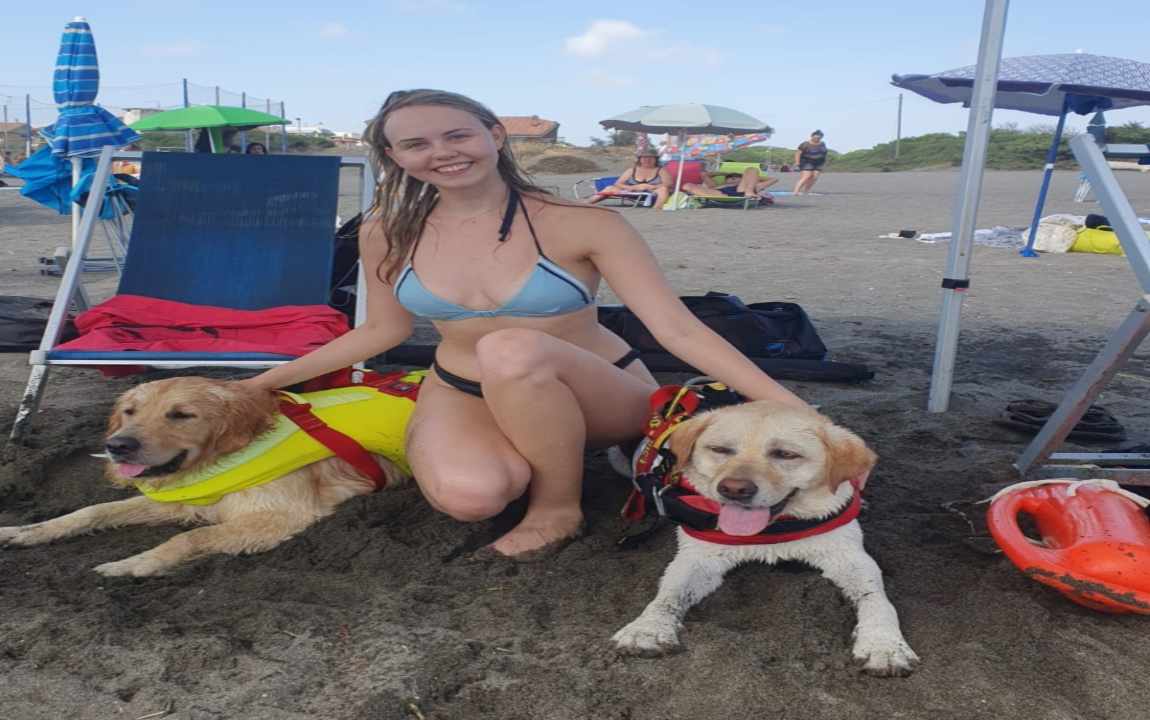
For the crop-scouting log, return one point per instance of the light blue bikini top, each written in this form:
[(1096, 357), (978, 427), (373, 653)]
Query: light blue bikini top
[(549, 290)]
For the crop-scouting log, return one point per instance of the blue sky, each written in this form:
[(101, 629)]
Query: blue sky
[(797, 66)]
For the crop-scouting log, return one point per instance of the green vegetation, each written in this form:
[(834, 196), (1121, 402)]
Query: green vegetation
[(1010, 149), (771, 154)]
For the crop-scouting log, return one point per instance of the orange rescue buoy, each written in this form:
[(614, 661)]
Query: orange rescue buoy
[(1095, 545)]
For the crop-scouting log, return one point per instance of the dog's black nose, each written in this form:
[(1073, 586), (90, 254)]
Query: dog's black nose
[(121, 445), (737, 488)]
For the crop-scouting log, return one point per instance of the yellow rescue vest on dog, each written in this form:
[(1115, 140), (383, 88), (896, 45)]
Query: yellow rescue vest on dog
[(374, 418)]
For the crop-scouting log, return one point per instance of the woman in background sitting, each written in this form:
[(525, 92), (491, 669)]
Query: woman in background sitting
[(646, 175)]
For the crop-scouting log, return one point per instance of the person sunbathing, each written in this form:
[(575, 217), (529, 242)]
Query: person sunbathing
[(646, 175), (746, 184)]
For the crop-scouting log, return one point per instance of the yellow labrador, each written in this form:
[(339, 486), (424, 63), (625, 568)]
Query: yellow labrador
[(749, 459), (160, 431)]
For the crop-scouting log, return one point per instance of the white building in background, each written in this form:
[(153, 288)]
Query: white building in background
[(346, 139), (317, 129), (131, 115)]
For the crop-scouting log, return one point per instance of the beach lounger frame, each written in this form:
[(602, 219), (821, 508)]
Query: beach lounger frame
[(1039, 459), (637, 199), (43, 359)]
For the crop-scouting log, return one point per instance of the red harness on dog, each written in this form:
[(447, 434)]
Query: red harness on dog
[(660, 492), (343, 446)]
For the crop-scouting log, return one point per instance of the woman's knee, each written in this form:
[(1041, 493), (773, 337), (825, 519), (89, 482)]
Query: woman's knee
[(513, 353), (473, 494)]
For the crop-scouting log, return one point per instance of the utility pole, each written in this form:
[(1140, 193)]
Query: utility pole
[(188, 144), (28, 125), (244, 133), (4, 137), (283, 128), (898, 128)]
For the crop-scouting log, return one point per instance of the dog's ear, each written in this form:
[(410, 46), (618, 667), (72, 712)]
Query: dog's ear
[(246, 415), (682, 440), (848, 457)]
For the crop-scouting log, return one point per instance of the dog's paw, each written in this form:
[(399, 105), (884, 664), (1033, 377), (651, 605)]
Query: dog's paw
[(648, 637), (138, 566), (885, 656), (22, 535)]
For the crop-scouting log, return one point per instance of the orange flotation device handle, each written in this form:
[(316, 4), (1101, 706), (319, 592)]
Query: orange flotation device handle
[(1095, 541)]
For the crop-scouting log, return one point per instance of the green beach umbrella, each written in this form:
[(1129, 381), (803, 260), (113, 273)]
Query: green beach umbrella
[(212, 118), (207, 116)]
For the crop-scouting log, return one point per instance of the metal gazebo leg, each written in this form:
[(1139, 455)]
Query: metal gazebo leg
[(29, 403), (1122, 343)]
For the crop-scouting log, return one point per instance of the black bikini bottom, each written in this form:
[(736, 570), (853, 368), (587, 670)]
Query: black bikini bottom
[(474, 388)]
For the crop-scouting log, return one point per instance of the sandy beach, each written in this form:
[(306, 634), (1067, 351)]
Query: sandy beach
[(372, 615)]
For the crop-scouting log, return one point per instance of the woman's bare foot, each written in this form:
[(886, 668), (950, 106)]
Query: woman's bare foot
[(541, 533)]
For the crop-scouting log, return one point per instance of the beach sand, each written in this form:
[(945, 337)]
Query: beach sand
[(373, 615)]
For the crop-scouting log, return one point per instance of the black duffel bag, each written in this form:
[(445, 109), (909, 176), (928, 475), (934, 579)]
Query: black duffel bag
[(762, 330)]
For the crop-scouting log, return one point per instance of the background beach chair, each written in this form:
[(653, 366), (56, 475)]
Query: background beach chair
[(693, 171), (231, 231), (628, 199)]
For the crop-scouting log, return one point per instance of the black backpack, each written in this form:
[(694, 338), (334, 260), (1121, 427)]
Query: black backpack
[(344, 267)]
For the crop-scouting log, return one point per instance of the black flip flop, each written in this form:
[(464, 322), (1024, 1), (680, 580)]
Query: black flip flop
[(1030, 415)]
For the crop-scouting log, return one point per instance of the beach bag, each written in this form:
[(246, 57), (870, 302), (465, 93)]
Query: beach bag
[(679, 201), (1054, 237), (1101, 240), (22, 323), (763, 330), (345, 267)]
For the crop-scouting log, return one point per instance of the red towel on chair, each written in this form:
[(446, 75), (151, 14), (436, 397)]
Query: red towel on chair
[(134, 322)]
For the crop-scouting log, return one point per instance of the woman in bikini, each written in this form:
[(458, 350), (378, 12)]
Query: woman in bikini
[(646, 175), (525, 379)]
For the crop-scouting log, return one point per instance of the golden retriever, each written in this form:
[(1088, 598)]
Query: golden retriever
[(160, 431), (749, 459)]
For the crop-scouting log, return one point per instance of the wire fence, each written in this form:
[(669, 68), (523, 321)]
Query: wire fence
[(28, 108)]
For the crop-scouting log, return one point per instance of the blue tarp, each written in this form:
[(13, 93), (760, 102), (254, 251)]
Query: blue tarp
[(48, 181)]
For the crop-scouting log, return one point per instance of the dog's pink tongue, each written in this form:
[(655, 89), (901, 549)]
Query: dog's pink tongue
[(130, 469), (739, 520)]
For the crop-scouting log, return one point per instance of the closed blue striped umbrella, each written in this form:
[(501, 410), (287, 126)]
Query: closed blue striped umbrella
[(82, 128)]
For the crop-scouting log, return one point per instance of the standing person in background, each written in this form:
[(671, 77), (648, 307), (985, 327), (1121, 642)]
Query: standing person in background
[(810, 158)]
